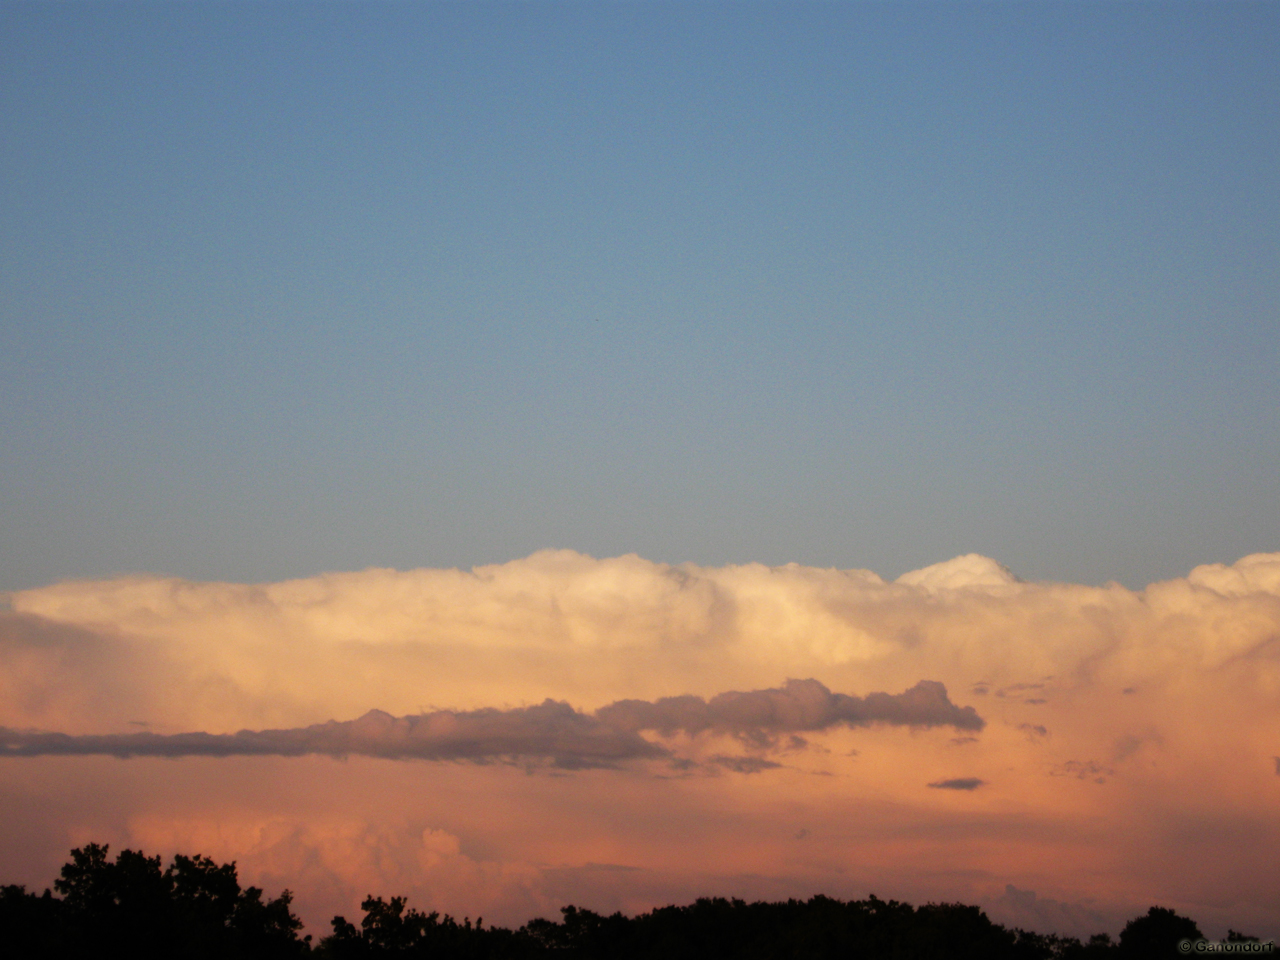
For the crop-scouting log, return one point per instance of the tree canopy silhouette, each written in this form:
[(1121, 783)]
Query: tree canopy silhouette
[(131, 907), (1156, 935), (195, 909)]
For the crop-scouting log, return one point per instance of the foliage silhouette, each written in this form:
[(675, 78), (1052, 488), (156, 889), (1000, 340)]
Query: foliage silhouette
[(1156, 935), (1235, 936), (388, 931), (195, 909), (820, 927)]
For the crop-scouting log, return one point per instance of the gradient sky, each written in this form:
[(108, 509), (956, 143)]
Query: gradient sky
[(295, 288)]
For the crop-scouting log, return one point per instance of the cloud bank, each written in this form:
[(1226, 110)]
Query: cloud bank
[(1120, 744), (550, 730)]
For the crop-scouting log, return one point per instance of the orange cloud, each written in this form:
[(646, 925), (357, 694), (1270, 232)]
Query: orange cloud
[(1127, 756)]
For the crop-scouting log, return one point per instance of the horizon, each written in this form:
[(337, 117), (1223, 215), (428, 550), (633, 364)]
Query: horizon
[(99, 856)]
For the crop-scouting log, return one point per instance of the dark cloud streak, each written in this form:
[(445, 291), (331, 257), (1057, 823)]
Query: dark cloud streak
[(551, 730), (959, 783), (798, 706)]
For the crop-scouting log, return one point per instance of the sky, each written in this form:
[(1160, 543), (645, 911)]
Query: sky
[(299, 288), (895, 379)]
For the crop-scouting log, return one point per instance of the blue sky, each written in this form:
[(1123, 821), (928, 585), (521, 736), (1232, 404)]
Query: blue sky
[(292, 288)]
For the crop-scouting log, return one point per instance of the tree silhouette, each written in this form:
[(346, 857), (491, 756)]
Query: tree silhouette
[(387, 930), (195, 909), (30, 925), (1156, 935), (1235, 936), (130, 907)]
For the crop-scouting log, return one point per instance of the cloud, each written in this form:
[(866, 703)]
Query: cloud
[(959, 783), (970, 572), (86, 655), (336, 861), (1023, 908), (745, 764), (551, 730), (1084, 770), (617, 669), (800, 705), (1030, 693)]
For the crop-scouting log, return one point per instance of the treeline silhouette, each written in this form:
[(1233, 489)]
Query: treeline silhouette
[(196, 909)]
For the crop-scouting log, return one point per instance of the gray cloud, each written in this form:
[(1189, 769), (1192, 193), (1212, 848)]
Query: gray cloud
[(799, 705), (959, 783), (1083, 770), (1023, 908), (551, 730), (1023, 692), (744, 764)]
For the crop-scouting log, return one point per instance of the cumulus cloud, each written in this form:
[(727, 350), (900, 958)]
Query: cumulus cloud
[(972, 571), (550, 730), (1023, 908), (335, 862), (1166, 695), (223, 657), (800, 705)]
